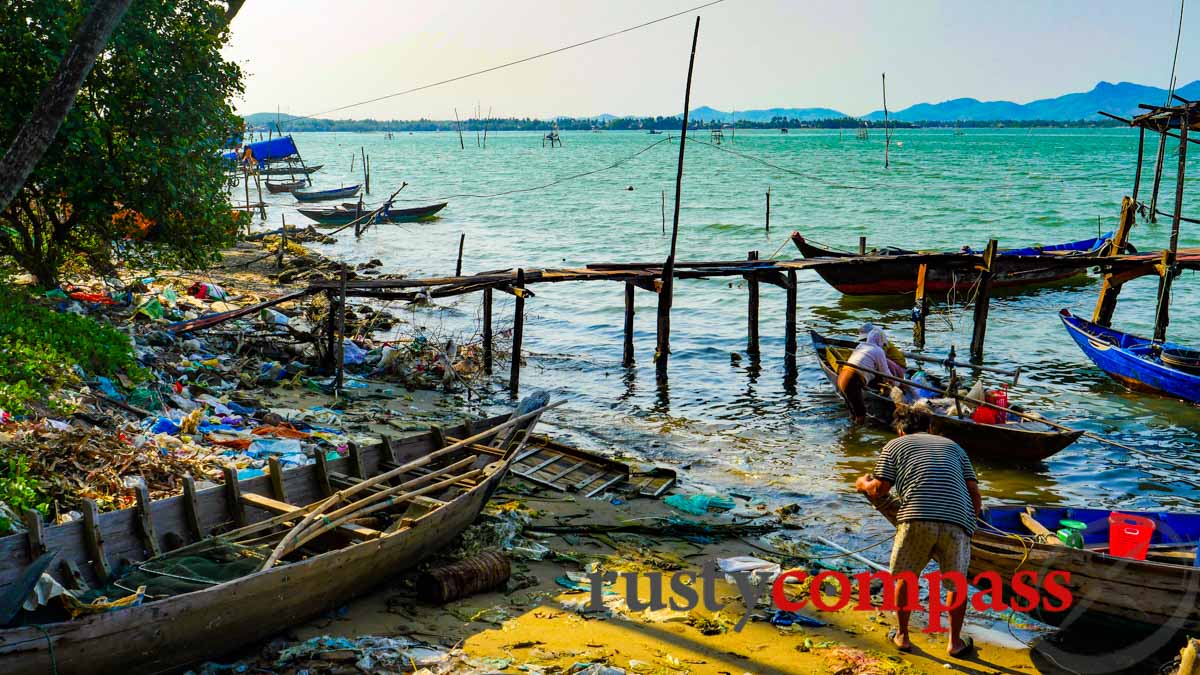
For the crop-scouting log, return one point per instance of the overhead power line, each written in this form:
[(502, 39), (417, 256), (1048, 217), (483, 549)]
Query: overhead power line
[(512, 63)]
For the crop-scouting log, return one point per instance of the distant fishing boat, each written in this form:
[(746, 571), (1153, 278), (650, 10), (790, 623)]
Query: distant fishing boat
[(1014, 441), (1014, 268), (277, 170), (654, 132), (325, 195), (349, 212)]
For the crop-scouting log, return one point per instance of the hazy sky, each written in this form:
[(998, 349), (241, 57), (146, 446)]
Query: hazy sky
[(308, 56)]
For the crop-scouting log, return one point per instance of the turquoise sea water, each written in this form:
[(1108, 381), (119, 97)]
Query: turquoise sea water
[(725, 420)]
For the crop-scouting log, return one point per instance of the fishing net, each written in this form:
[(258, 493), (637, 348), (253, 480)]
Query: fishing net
[(193, 568)]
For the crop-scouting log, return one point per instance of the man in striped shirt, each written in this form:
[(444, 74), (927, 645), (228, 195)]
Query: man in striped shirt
[(940, 501)]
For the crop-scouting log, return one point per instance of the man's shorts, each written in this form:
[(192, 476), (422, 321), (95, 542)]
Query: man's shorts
[(919, 541)]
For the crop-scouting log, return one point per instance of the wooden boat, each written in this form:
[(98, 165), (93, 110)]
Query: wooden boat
[(1109, 593), (348, 212), (277, 170), (325, 195), (342, 561), (287, 186), (1014, 268), (1015, 441), (1138, 363)]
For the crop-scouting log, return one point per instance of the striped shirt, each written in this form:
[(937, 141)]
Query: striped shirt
[(929, 474)]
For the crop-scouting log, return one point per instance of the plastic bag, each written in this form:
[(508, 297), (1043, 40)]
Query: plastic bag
[(760, 570), (698, 505), (352, 354)]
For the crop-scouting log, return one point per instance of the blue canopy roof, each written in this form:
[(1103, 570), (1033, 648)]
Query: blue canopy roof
[(267, 151)]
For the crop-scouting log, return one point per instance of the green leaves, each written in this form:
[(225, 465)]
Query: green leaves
[(143, 136)]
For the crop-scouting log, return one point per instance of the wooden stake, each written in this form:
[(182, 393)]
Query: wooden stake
[(368, 174), (887, 135), (262, 206), (331, 331), (981, 302), (458, 125), (920, 309), (514, 373), (487, 330), (789, 326), (1109, 290), (664, 212), (363, 150), (663, 350), (282, 242), (627, 352), (462, 238), (752, 309), (768, 210), (862, 245)]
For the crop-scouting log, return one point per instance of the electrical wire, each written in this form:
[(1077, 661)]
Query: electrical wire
[(511, 63)]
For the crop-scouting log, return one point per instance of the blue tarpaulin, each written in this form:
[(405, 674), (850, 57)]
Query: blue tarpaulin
[(266, 151)]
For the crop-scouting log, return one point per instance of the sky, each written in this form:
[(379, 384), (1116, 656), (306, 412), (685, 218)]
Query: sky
[(307, 57)]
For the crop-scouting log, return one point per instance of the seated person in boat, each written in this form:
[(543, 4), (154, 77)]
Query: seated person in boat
[(856, 373), (895, 356), (939, 503)]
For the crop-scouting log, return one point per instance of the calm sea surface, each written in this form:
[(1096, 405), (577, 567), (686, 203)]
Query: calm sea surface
[(724, 420)]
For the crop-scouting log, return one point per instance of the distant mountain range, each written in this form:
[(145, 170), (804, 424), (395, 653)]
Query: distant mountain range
[(1119, 99)]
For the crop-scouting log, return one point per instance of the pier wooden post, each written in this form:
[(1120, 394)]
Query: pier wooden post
[(1162, 317), (363, 150), (789, 339), (627, 352), (982, 299), (752, 309), (282, 242), (662, 349), (331, 331), (514, 376), (462, 239), (862, 245), (341, 336), (487, 330), (1137, 175), (262, 206), (664, 211), (1158, 167), (768, 210), (920, 309), (1107, 302)]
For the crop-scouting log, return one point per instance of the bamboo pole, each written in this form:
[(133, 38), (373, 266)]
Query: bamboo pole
[(982, 302), (514, 373), (887, 136), (1158, 167), (458, 126), (487, 330), (1137, 175), (768, 210), (663, 350), (1162, 316), (664, 212), (752, 302)]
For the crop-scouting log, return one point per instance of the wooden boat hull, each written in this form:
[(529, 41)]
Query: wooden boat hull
[(280, 188), (1024, 442), (1109, 593), (325, 195), (1131, 360), (172, 632), (288, 171), (347, 213), (900, 277), (410, 214)]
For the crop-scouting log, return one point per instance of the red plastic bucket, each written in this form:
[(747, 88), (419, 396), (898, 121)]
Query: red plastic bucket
[(1129, 536)]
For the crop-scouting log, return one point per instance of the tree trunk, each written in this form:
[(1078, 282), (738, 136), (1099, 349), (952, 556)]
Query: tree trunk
[(57, 98)]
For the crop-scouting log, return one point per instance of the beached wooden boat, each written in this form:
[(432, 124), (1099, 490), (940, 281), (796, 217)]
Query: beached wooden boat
[(1015, 441), (1139, 363), (429, 497), (1109, 593), (1014, 268), (347, 212), (286, 186), (325, 195)]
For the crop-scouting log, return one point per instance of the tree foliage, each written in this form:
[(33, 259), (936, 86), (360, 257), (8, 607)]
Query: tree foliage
[(134, 172)]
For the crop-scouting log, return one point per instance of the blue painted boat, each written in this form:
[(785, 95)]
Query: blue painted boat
[(1159, 595), (325, 195), (1137, 362)]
